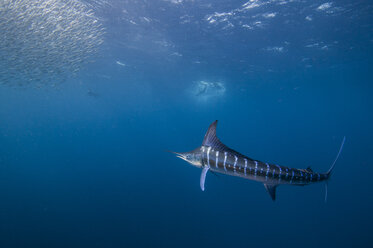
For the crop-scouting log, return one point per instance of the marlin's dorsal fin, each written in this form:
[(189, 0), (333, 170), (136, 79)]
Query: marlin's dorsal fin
[(213, 141), (271, 189), (210, 136), (203, 177), (309, 169)]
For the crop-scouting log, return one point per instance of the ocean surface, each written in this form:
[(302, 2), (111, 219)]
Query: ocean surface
[(93, 94)]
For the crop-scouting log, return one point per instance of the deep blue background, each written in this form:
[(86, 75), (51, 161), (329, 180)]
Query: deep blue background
[(91, 171)]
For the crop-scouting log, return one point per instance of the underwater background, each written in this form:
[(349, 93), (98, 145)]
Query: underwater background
[(93, 94)]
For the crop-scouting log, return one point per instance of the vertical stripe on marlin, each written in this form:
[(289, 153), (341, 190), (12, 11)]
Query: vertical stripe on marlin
[(203, 153), (267, 171), (235, 163), (217, 159), (256, 168), (245, 165), (208, 156), (279, 173), (225, 160)]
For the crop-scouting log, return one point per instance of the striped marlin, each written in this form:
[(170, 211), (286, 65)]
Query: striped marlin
[(214, 156)]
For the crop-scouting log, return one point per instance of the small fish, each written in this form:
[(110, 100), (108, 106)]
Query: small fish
[(214, 156), (120, 63), (92, 93)]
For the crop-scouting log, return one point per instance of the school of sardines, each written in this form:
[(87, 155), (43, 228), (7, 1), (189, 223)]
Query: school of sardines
[(45, 41)]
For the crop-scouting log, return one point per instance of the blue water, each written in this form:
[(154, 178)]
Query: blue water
[(90, 170)]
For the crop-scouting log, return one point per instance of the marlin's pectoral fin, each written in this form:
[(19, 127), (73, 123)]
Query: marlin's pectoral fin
[(203, 178), (271, 189)]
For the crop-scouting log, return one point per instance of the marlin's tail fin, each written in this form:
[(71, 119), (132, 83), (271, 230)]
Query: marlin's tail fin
[(329, 172), (336, 158)]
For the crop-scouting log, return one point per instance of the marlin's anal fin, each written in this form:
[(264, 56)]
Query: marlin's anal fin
[(203, 177), (271, 189)]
